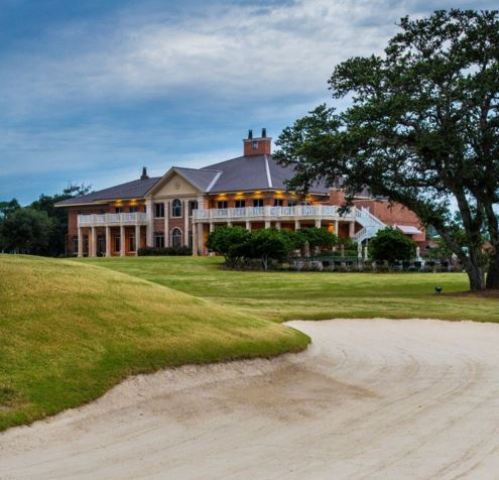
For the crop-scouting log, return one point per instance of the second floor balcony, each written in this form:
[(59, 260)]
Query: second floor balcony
[(112, 219), (299, 212)]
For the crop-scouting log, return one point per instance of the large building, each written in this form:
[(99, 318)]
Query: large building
[(183, 206)]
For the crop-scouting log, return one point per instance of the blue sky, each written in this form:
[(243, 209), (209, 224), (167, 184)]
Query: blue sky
[(92, 90)]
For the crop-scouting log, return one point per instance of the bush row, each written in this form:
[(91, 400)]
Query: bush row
[(166, 251)]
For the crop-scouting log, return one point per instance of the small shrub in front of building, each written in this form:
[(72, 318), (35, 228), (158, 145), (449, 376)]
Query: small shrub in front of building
[(166, 251)]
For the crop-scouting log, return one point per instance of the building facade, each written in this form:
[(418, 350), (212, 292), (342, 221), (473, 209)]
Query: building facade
[(183, 206)]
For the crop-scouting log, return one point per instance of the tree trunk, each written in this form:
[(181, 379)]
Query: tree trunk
[(493, 273), (476, 276)]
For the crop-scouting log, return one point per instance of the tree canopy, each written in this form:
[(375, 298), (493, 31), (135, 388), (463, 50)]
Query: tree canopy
[(422, 130)]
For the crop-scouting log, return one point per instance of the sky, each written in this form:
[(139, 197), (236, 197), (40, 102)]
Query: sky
[(91, 90)]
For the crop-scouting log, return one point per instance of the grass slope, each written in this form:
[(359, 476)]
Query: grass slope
[(291, 295), (69, 331)]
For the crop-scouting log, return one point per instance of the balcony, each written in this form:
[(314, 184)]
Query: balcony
[(301, 212), (112, 219)]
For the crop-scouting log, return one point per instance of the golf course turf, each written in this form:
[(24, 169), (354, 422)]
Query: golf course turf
[(281, 296)]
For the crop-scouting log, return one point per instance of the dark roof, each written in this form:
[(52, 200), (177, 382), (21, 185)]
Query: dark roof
[(259, 172), (134, 189), (254, 173), (200, 178)]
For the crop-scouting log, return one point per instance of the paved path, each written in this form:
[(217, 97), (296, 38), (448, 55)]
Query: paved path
[(371, 399)]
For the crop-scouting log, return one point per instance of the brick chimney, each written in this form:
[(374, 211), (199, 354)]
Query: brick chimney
[(257, 146)]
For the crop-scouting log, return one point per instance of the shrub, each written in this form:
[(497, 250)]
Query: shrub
[(391, 245), (166, 251)]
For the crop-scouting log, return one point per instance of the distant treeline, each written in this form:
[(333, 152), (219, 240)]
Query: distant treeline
[(39, 228)]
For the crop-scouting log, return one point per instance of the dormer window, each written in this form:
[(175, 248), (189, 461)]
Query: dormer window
[(255, 145)]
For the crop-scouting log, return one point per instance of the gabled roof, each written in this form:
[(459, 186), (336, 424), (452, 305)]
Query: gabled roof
[(133, 189), (259, 172)]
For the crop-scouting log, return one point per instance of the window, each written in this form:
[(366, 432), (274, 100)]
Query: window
[(222, 204), (176, 208), (291, 203), (255, 145), (240, 203), (74, 242), (193, 205), (159, 210), (278, 202), (258, 202), (131, 242), (159, 240), (176, 238), (118, 209), (134, 209)]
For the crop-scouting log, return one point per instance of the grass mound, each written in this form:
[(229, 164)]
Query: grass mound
[(69, 331)]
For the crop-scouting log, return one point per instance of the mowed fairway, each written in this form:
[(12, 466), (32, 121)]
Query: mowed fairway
[(69, 331), (282, 296)]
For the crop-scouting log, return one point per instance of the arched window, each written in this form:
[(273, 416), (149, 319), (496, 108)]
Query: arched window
[(176, 208), (176, 238)]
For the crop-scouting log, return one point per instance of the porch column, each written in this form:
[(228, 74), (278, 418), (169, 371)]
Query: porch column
[(318, 223), (108, 241), (351, 229), (337, 228), (150, 223), (212, 227), (122, 241), (80, 242), (229, 223), (248, 225), (200, 239), (278, 225), (297, 224), (167, 227), (267, 224), (137, 240), (186, 223), (93, 242), (194, 240)]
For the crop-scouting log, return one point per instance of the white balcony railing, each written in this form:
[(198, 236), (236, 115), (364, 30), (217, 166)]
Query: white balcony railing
[(283, 213), (112, 219)]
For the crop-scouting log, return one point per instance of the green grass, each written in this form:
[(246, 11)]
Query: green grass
[(282, 296), (70, 330)]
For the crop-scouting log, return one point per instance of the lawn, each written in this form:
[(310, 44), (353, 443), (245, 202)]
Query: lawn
[(70, 330), (282, 296)]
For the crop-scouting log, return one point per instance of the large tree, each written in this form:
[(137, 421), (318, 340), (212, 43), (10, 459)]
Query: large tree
[(422, 130)]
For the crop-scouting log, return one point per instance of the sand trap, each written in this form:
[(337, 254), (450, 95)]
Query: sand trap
[(371, 399)]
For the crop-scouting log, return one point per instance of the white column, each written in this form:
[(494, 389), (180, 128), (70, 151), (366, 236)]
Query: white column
[(167, 227), (248, 225), (108, 241), (93, 242), (297, 225), (150, 223), (351, 229), (267, 223), (318, 223), (212, 227), (229, 223), (186, 223), (80, 242), (200, 239), (194, 240), (337, 228), (278, 225), (137, 239), (122, 241)]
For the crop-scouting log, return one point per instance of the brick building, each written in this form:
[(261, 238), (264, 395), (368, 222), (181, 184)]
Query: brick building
[(185, 204)]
